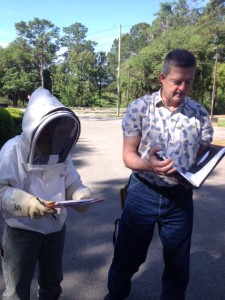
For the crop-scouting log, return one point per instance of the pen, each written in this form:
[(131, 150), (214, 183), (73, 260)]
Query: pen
[(45, 206), (203, 158)]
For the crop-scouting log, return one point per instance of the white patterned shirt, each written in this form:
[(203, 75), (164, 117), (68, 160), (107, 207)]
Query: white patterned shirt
[(180, 133)]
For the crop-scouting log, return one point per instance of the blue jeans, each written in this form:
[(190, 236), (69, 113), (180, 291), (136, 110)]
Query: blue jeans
[(172, 210), (22, 250)]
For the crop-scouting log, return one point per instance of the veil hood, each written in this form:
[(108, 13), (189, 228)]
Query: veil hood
[(50, 128)]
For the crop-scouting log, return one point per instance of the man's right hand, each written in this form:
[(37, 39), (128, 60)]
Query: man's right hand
[(160, 166), (133, 161)]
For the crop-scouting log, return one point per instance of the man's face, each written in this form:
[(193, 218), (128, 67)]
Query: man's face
[(176, 85)]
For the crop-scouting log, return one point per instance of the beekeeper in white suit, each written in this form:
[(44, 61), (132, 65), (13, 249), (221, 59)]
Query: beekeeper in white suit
[(35, 168)]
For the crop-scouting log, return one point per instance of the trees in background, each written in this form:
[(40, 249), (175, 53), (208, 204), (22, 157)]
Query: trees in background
[(69, 66), (26, 60), (42, 39), (78, 61), (178, 25), (16, 71)]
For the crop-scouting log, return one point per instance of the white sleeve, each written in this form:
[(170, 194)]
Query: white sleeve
[(14, 202), (11, 165), (75, 189)]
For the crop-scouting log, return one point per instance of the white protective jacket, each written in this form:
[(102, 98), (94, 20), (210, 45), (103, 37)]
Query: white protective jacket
[(25, 172)]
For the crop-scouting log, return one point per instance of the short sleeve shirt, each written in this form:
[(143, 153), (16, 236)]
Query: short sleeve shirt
[(180, 133)]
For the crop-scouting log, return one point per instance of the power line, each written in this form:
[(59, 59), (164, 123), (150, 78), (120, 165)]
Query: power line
[(107, 36), (114, 27), (102, 31), (92, 33), (104, 37)]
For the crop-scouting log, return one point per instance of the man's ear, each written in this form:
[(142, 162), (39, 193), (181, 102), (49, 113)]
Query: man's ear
[(161, 77)]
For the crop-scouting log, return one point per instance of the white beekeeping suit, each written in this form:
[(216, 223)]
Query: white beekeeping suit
[(37, 164)]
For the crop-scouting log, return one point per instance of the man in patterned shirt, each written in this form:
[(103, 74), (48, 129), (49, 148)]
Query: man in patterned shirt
[(170, 122)]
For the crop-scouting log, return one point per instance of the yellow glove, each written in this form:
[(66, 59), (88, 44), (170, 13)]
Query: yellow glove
[(84, 193), (37, 207)]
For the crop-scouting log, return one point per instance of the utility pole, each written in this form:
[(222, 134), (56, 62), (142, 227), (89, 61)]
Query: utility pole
[(214, 82), (118, 76)]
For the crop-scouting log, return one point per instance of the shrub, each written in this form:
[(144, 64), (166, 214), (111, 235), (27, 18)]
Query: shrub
[(6, 126), (17, 116)]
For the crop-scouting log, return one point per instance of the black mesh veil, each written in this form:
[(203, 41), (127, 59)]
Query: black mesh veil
[(54, 138)]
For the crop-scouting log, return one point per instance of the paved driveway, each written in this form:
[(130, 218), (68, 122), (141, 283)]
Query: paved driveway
[(88, 249)]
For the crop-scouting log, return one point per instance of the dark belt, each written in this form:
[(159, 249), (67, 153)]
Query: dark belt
[(167, 191)]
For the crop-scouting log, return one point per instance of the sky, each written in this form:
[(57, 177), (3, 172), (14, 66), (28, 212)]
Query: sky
[(102, 18)]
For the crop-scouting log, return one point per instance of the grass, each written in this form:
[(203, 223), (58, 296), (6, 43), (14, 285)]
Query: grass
[(221, 122)]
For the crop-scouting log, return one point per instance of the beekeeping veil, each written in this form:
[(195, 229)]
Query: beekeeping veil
[(51, 129)]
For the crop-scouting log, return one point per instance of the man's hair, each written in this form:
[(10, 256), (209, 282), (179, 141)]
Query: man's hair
[(178, 58)]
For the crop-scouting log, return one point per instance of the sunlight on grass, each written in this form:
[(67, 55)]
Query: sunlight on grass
[(221, 122)]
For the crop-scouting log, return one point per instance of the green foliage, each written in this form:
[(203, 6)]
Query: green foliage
[(221, 76), (4, 100), (17, 116), (18, 78), (108, 100), (219, 107), (221, 122), (40, 36), (6, 126), (196, 34), (81, 77)]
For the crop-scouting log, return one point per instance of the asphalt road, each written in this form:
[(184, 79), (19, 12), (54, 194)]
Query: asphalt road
[(89, 249)]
